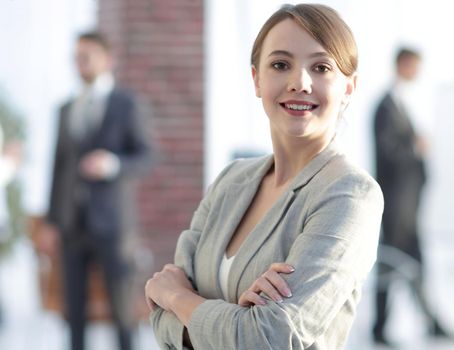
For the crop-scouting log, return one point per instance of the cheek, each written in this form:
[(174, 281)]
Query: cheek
[(335, 95), (271, 88)]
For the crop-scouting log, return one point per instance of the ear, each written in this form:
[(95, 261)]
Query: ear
[(255, 77), (351, 88)]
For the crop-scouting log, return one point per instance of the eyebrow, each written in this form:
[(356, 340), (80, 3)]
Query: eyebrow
[(290, 55)]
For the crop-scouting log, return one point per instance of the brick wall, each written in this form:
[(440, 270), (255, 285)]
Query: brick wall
[(159, 50)]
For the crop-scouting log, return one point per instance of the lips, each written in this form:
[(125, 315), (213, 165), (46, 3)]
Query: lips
[(298, 107)]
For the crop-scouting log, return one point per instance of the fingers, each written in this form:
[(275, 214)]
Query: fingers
[(249, 298), (282, 268), (150, 303), (271, 284), (171, 267), (274, 281), (273, 276), (169, 281)]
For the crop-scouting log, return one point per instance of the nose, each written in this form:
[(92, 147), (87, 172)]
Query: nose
[(300, 81)]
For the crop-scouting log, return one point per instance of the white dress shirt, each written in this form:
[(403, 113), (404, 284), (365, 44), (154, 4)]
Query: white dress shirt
[(87, 113), (88, 109)]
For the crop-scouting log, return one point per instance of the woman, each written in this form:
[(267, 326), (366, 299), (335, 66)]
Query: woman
[(279, 247)]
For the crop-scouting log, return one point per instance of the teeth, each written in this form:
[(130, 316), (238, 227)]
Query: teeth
[(298, 107)]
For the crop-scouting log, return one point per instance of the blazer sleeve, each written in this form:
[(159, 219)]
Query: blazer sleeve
[(332, 256), (167, 327), (137, 154)]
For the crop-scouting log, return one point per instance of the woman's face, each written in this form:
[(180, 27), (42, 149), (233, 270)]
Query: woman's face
[(302, 89)]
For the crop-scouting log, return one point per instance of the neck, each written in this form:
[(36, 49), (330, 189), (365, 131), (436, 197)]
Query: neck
[(291, 157)]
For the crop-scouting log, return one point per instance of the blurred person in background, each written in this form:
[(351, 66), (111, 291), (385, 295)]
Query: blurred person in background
[(100, 142), (400, 152), (10, 158)]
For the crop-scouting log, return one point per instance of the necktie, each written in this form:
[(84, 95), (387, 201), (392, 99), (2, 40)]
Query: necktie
[(82, 116)]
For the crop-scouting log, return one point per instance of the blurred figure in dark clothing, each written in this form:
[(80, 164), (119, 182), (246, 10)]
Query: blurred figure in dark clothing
[(100, 142), (400, 166)]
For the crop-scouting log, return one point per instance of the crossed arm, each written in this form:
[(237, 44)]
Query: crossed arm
[(171, 290), (172, 298), (331, 257)]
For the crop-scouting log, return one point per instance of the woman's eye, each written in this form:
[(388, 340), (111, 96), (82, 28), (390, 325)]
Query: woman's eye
[(322, 68), (280, 65)]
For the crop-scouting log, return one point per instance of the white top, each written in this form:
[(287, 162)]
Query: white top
[(224, 270)]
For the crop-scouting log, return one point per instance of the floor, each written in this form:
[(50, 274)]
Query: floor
[(25, 325)]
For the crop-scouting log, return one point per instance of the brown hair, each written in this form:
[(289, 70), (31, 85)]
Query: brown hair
[(324, 24), (98, 38), (405, 52)]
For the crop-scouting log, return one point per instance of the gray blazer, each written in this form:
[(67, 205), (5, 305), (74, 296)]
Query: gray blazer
[(326, 225)]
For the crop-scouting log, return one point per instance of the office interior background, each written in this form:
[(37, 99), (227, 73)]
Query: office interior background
[(37, 75)]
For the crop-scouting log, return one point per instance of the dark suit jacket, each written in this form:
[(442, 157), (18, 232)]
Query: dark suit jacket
[(101, 201), (396, 159), (400, 172)]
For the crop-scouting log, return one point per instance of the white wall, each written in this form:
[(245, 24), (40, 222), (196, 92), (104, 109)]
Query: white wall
[(234, 116), (36, 76)]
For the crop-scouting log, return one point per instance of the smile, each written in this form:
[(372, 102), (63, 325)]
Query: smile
[(297, 107)]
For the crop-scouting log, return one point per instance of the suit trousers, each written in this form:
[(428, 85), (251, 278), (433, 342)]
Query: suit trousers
[(400, 230), (79, 252)]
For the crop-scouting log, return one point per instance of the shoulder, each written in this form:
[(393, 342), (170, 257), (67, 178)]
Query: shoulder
[(241, 170), (345, 194), (65, 109), (247, 167), (66, 105), (340, 174), (121, 94), (385, 104)]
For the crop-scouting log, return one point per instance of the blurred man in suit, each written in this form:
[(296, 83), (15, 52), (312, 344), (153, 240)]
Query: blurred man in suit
[(100, 141), (400, 165)]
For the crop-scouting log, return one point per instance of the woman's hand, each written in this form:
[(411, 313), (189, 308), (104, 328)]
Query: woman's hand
[(165, 285), (270, 283)]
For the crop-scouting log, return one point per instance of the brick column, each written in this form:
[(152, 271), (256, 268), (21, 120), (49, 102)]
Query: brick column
[(159, 50)]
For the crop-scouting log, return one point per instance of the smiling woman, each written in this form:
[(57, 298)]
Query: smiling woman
[(303, 90), (278, 249)]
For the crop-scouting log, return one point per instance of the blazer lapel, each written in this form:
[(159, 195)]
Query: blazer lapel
[(271, 219), (237, 199), (400, 115), (98, 131)]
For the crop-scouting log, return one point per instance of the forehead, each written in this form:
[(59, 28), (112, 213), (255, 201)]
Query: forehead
[(290, 36), (86, 45), (410, 59)]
